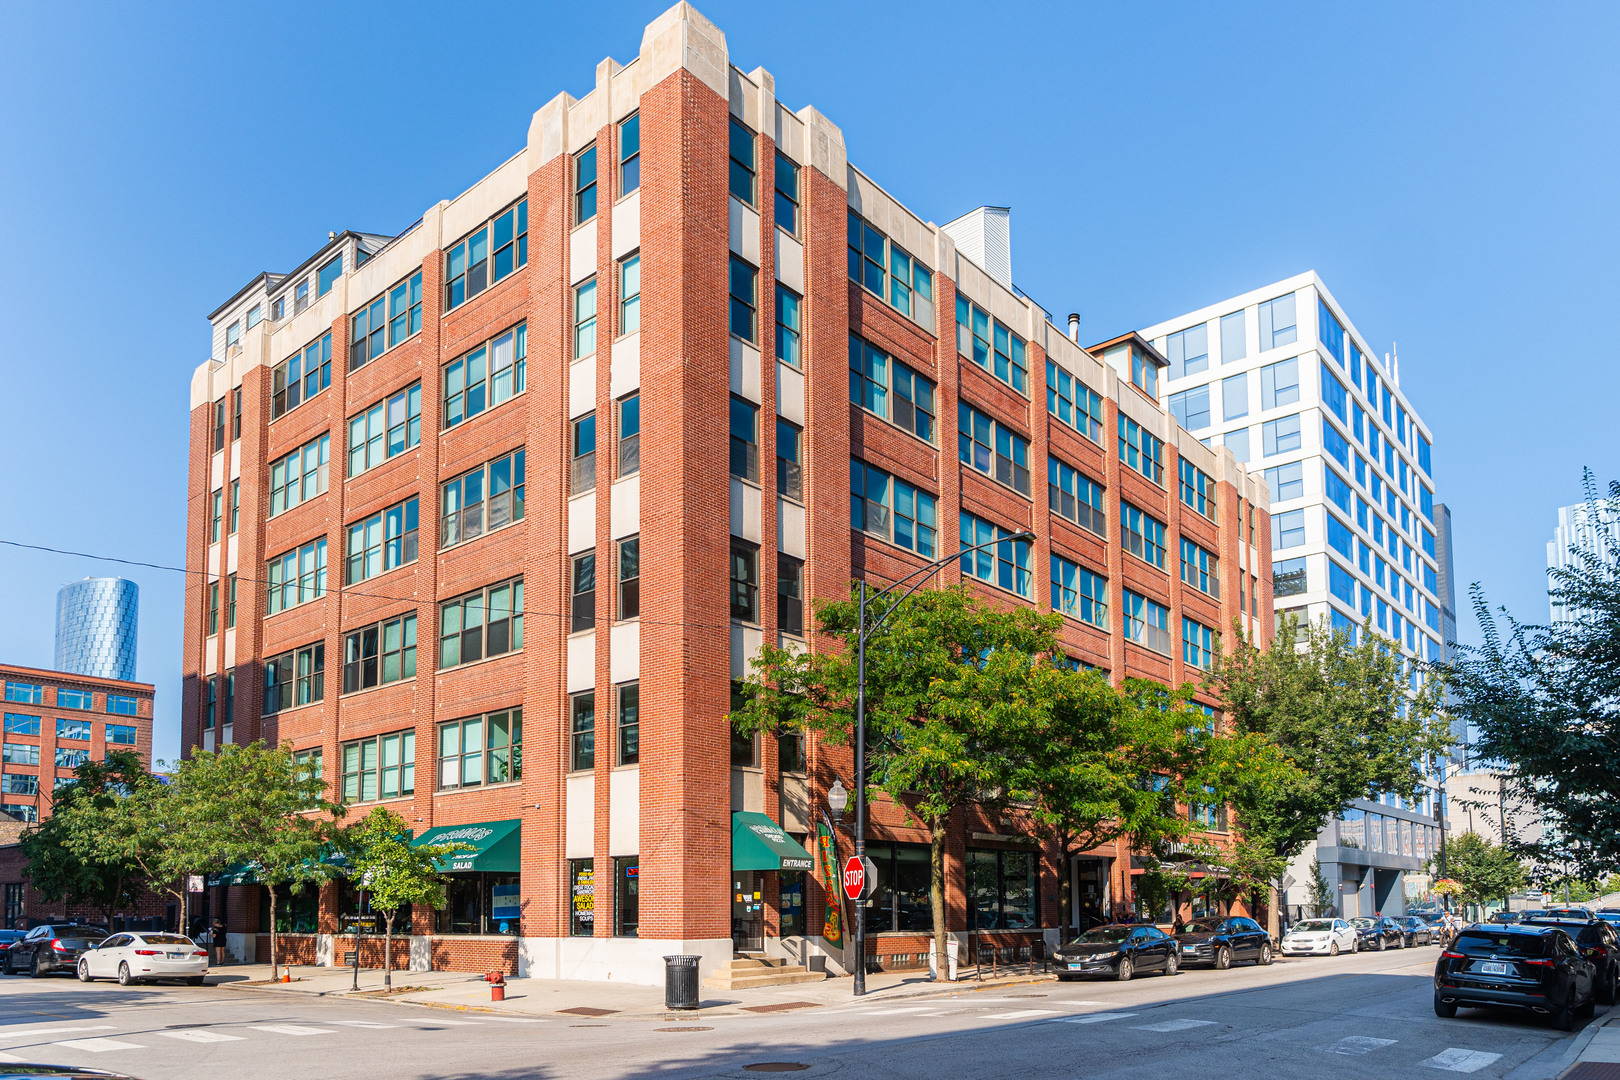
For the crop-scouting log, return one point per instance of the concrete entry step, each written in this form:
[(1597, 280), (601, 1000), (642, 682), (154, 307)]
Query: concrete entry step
[(753, 970)]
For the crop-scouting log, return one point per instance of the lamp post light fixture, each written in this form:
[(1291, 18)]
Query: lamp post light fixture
[(865, 630), (837, 801)]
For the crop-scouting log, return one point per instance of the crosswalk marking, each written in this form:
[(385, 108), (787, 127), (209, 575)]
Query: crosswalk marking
[(1353, 1045), (360, 1023), (57, 1029), (199, 1036), (890, 1012), (516, 1019), (1093, 1018), (98, 1045), (1456, 1059), (290, 1029), (1020, 1014), (1172, 1025), (9, 1058)]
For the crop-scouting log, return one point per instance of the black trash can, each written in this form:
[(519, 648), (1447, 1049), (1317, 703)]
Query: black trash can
[(681, 982)]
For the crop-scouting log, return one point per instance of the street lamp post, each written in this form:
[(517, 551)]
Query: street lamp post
[(863, 631)]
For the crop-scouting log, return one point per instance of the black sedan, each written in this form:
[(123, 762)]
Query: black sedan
[(1379, 932), (1599, 942), (1534, 968), (1417, 931), (1119, 950), (1218, 942), (56, 947)]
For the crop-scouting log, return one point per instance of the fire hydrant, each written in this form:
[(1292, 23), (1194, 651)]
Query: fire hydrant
[(497, 986)]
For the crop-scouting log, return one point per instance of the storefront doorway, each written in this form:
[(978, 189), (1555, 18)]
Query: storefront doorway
[(767, 866), (1090, 892), (747, 911)]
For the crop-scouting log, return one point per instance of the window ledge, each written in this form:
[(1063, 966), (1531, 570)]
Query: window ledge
[(470, 663), (1003, 485), (345, 695), (476, 787), (459, 544), (408, 797), (278, 714), (858, 407), (385, 573), (909, 551)]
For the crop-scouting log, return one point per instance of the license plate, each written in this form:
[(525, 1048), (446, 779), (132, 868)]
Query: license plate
[(1076, 967), (177, 956), (1188, 948), (1493, 969)]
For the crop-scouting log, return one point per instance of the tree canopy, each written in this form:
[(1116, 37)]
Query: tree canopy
[(67, 854), (394, 873), (1483, 871)]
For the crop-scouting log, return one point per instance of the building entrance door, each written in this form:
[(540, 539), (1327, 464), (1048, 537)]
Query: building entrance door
[(747, 911), (1090, 892)]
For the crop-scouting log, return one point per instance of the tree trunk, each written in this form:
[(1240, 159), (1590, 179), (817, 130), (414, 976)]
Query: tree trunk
[(272, 889), (1273, 914), (388, 949), (936, 894)]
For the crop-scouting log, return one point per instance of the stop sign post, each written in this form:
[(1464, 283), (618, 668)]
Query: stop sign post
[(860, 878)]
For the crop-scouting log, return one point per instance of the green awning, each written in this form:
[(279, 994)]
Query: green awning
[(758, 843), (493, 845), (240, 874)]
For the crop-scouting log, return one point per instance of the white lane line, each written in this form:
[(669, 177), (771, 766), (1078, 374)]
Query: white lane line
[(1354, 1045), (1093, 1018), (1172, 1025), (1457, 1059), (290, 1029), (7, 1034), (99, 1046), (199, 1036), (1020, 1014), (9, 1058), (890, 1012), (360, 1023)]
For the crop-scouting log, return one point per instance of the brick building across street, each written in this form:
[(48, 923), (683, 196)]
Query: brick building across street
[(471, 503)]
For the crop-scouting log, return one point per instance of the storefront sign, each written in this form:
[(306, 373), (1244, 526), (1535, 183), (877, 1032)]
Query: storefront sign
[(832, 927), (194, 883), (584, 897), (504, 902)]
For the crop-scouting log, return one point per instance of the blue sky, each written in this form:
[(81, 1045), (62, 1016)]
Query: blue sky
[(1447, 168)]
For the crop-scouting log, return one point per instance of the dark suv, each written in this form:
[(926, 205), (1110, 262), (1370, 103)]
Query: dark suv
[(1536, 968), (1598, 941), (56, 947)]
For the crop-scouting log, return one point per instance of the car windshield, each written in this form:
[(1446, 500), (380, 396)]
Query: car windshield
[(1312, 926), (1364, 924), (80, 931), (1103, 935), (165, 939), (1481, 943), (1204, 926)]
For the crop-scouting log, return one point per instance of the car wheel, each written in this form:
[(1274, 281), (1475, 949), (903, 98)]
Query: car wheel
[(33, 969), (124, 977), (1605, 991), (1355, 944), (1587, 1008), (1333, 948), (1223, 958), (194, 980), (1265, 955), (1171, 962), (1564, 1019), (1382, 944), (1442, 1009), (84, 972), (1123, 972)]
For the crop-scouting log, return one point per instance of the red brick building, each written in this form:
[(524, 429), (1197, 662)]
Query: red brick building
[(425, 469), (53, 722)]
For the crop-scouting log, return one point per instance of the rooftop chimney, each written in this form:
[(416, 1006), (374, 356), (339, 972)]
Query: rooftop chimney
[(985, 236), (1074, 327)]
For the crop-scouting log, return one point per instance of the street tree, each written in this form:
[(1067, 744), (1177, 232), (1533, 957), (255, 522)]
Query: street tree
[(1480, 869), (255, 805), (65, 860), (397, 875), (1545, 703)]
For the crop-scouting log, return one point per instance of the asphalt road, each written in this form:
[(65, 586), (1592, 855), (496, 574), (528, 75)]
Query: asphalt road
[(1363, 1016)]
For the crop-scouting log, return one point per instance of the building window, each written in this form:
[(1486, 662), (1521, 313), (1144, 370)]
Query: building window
[(25, 693), (487, 256), (216, 515), (18, 724), (213, 608), (19, 784), (581, 898), (741, 145), (1191, 408), (327, 276), (297, 577), (629, 435), (630, 724), (1197, 489), (1199, 568), (301, 296), (73, 699), (489, 497), (487, 376), (309, 763), (1079, 593), (488, 622), (301, 376), (219, 425), (367, 333), (744, 439), (1277, 324), (1287, 529), (1001, 889), (20, 754), (1188, 351), (991, 345), (582, 455), (1424, 454), (1233, 345), (70, 759), (405, 309), (1339, 537), (1279, 383), (585, 185), (890, 272), (1280, 436), (1288, 577), (385, 541), (230, 607), (629, 154), (1334, 396), (1338, 493), (380, 654), (891, 509), (744, 582), (1073, 402), (873, 375), (73, 729), (787, 193), (300, 476), (481, 750), (742, 285), (789, 593), (626, 895), (295, 678), (1235, 396), (1145, 373), (1147, 623), (581, 732), (1140, 449), (389, 427), (122, 704), (790, 756), (381, 767), (585, 319), (236, 505), (582, 592), (1286, 481), (630, 294), (789, 461), (1341, 584), (1330, 331), (278, 308), (1005, 565), (787, 326), (236, 412), (990, 448), (1141, 535), (255, 316)]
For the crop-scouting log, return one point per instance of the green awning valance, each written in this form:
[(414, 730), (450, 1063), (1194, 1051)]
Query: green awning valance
[(758, 843), (493, 845)]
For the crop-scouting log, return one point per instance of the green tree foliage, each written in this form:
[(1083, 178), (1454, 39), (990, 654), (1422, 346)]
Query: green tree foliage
[(255, 805), (66, 859), (1482, 870), (138, 821), (1545, 702), (396, 875)]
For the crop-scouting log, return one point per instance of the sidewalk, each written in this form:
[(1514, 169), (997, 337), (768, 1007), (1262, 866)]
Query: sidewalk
[(549, 997), (1599, 1058)]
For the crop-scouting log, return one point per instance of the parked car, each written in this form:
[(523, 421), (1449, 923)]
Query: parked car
[(1416, 931), (137, 957), (1534, 968), (1431, 916), (1507, 917), (1218, 942), (1320, 937), (56, 947), (1599, 942), (1379, 932), (1120, 950), (1608, 914)]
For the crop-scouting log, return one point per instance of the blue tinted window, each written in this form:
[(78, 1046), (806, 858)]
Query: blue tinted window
[(1287, 529), (1329, 330), (1423, 454), (1334, 396), (1277, 323), (1341, 583), (1343, 622), (1288, 577), (1281, 436), (1338, 492), (1191, 408), (1335, 444), (1233, 345), (1279, 383), (1286, 481), (1235, 396), (1188, 351), (1428, 543), (1339, 538), (328, 276)]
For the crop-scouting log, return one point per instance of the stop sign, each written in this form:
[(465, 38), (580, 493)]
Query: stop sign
[(854, 878)]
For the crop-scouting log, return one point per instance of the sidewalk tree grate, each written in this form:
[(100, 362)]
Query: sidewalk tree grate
[(587, 1010), (782, 1006), (776, 1066), (1594, 1070)]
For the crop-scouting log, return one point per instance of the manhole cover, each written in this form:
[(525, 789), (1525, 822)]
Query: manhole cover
[(587, 1010), (776, 1066), (684, 1029)]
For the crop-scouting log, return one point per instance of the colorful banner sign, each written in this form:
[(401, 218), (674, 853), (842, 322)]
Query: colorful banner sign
[(827, 853)]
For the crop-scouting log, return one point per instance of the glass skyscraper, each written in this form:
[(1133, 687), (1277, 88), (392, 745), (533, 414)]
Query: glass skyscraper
[(95, 628)]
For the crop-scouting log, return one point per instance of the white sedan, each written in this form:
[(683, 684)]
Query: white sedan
[(1320, 937), (136, 957)]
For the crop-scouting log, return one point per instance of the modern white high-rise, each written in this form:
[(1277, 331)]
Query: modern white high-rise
[(1577, 529), (1282, 377)]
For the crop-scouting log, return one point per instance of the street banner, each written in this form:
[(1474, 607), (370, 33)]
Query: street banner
[(827, 851)]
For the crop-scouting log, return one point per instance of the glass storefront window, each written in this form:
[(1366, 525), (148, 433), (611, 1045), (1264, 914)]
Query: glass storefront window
[(1406, 837), (901, 901), (1375, 832), (1001, 890), (295, 915), (581, 898), (792, 901), (479, 903), (626, 895), (1352, 828)]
